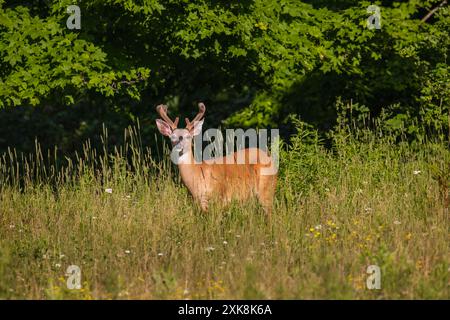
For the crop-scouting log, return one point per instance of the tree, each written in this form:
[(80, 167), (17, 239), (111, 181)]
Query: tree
[(253, 62)]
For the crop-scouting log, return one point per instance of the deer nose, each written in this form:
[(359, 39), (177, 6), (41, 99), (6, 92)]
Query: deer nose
[(180, 138)]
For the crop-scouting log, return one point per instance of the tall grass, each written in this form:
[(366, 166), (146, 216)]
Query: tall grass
[(368, 200)]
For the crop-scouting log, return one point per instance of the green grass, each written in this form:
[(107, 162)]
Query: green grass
[(337, 211)]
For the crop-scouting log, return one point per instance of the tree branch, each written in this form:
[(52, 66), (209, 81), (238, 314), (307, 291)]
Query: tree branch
[(433, 11)]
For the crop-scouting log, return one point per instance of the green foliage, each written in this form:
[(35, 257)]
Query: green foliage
[(254, 62), (40, 60)]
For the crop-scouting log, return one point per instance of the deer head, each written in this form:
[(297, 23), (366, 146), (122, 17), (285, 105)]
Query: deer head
[(181, 138)]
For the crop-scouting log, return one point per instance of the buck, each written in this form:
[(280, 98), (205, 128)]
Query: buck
[(223, 180)]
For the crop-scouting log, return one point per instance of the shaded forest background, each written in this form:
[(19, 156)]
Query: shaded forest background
[(254, 63)]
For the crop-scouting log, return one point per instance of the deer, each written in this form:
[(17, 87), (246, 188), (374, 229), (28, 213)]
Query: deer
[(223, 180)]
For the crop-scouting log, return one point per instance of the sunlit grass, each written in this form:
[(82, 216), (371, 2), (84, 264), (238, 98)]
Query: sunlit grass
[(129, 224)]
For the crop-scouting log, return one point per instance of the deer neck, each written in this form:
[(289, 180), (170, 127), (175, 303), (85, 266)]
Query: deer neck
[(186, 157), (186, 165)]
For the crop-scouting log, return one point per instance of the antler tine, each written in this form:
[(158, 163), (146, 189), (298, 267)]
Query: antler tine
[(200, 114), (162, 111)]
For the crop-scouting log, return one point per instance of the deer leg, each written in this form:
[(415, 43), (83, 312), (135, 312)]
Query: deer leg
[(266, 192), (204, 204)]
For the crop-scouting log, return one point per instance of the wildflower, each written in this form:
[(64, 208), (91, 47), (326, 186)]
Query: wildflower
[(318, 227), (317, 234), (225, 242), (419, 264), (11, 226), (331, 224), (416, 172), (209, 249), (127, 251), (311, 229), (396, 222), (108, 190), (408, 236), (61, 256), (238, 236), (160, 254), (57, 265)]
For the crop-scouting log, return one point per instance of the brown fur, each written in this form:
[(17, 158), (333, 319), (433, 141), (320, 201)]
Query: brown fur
[(208, 180)]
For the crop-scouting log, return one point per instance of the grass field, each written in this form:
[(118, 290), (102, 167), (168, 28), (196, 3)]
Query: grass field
[(368, 200)]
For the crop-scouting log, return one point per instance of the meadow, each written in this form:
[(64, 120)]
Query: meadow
[(363, 198)]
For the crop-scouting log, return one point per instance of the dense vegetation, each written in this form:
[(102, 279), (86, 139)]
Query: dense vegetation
[(364, 169), (253, 62), (137, 234)]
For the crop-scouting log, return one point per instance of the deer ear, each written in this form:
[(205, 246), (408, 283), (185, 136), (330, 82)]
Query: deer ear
[(163, 127), (197, 128)]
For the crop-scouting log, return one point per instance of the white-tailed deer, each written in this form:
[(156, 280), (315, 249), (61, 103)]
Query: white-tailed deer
[(229, 179)]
